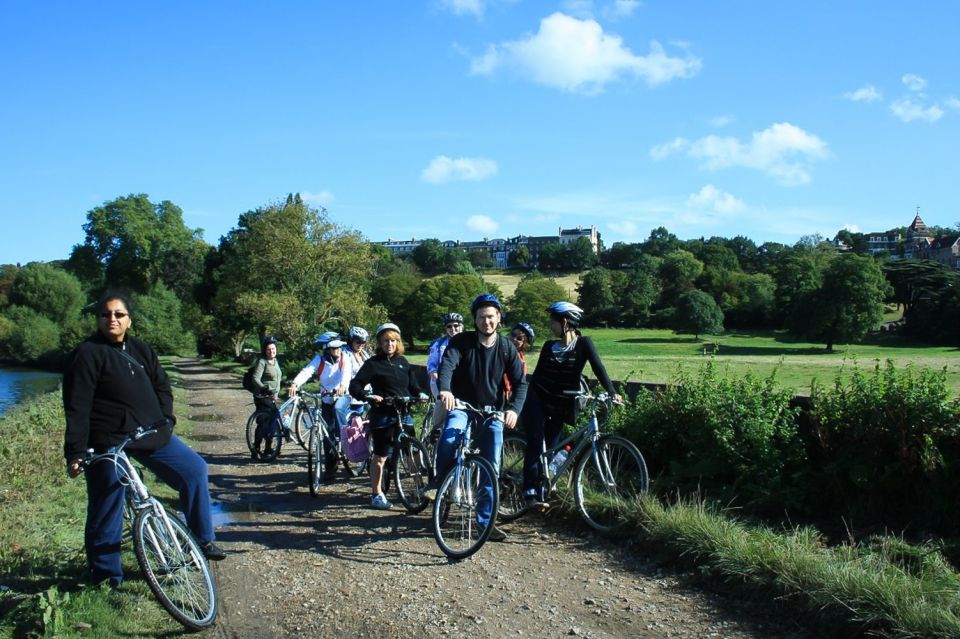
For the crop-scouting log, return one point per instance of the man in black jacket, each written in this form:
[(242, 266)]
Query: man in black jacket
[(476, 368)]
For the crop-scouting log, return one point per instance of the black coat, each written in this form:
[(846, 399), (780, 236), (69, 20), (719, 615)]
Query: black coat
[(107, 395)]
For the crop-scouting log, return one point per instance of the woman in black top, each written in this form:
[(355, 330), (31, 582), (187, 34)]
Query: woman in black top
[(389, 374), (559, 369), (113, 383)]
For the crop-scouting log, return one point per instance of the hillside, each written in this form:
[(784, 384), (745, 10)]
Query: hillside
[(508, 282)]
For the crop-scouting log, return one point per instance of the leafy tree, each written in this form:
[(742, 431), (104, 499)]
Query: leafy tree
[(51, 291), (848, 304), (755, 301), (856, 241), (552, 257), (697, 312), (430, 256), (157, 320), (660, 242), (596, 298), (796, 275), (289, 269), (746, 252), (519, 257), (622, 255), (442, 294), (580, 255), (26, 336), (530, 300), (678, 272), (480, 258), (396, 294), (637, 294), (140, 244)]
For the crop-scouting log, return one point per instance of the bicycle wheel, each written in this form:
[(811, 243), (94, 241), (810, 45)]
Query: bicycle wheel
[(512, 503), (175, 568), (411, 473), (252, 432), (609, 477), (267, 438), (300, 424), (455, 512), (316, 458)]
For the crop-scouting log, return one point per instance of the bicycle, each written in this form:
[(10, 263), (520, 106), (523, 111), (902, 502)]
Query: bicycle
[(410, 465), (608, 470), (268, 428), (170, 558), (319, 441), (469, 486)]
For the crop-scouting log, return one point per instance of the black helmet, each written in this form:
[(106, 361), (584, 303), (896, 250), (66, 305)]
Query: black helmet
[(266, 341), (485, 300), (452, 318)]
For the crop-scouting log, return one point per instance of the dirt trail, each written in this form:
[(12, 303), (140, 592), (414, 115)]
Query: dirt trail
[(331, 566)]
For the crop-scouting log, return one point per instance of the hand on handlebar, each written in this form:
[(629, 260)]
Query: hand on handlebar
[(74, 468), (510, 420), (448, 400)]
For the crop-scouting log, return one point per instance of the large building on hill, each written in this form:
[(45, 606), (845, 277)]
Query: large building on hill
[(917, 244), (500, 249)]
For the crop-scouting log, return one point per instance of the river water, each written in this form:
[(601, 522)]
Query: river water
[(17, 384)]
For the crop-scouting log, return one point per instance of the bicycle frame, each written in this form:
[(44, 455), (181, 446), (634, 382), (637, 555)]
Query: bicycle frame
[(585, 436)]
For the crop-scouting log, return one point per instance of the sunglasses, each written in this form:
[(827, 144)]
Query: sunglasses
[(117, 314), (453, 325), (520, 337), (359, 341)]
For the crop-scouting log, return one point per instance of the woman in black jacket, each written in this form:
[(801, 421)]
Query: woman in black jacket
[(113, 383), (559, 369), (389, 374)]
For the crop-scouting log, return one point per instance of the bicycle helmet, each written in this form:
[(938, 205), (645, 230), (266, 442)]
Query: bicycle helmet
[(568, 311), (452, 318), (358, 333), (323, 338), (334, 343), (387, 327), (269, 339), (485, 300), (526, 328)]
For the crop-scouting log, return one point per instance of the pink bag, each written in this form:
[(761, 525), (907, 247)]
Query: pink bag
[(353, 440)]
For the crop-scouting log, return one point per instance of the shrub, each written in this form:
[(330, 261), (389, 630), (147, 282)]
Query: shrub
[(28, 336)]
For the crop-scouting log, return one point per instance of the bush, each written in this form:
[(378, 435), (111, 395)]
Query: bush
[(720, 434), (887, 446), (27, 335), (156, 320)]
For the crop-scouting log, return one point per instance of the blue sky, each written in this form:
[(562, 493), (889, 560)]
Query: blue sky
[(462, 119)]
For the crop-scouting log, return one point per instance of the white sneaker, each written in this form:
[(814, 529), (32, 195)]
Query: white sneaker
[(380, 502)]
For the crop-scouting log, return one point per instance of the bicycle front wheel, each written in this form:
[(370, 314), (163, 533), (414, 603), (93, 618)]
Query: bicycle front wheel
[(512, 504), (175, 568), (300, 425), (316, 460), (610, 477), (411, 473), (252, 423), (466, 507)]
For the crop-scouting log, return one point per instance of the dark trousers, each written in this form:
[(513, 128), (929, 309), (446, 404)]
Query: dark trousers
[(178, 466), (543, 424), (329, 414)]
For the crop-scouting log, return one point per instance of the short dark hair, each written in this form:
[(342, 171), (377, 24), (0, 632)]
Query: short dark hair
[(111, 295)]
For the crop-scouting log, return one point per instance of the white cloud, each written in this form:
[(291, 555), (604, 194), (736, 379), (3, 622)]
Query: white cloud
[(577, 56), (953, 102), (620, 9), (721, 121), (482, 224), (323, 198), (710, 198), (853, 228), (626, 228), (908, 111), (914, 82), (783, 151), (464, 7), (443, 169), (868, 93)]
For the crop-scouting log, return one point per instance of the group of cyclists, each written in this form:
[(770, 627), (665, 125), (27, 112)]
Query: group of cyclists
[(479, 367)]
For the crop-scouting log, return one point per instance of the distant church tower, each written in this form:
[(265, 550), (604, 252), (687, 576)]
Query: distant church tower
[(917, 228)]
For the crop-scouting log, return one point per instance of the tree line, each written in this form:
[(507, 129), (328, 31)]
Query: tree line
[(288, 270)]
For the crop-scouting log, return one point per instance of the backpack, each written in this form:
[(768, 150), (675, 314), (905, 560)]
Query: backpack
[(247, 381), (353, 438)]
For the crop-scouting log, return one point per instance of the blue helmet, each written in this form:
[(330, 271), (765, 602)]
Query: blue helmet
[(568, 311), (484, 300), (323, 338), (358, 333), (526, 328)]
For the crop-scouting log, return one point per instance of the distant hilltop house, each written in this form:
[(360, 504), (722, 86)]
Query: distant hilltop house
[(916, 244), (500, 249)]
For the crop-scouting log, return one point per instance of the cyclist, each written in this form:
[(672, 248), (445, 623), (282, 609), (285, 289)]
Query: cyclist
[(523, 336), (389, 374), (333, 378), (112, 384), (475, 368), (559, 369), (452, 325), (266, 382), (356, 354)]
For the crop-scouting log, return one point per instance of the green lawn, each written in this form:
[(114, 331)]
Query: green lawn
[(650, 355)]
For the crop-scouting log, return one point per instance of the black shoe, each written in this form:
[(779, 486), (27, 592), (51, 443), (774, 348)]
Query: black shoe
[(212, 551), (497, 535), (536, 504)]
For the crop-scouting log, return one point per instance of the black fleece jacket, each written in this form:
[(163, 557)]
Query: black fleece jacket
[(106, 396)]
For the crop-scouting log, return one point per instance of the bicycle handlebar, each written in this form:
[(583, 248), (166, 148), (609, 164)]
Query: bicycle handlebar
[(486, 411), (600, 398), (141, 432)]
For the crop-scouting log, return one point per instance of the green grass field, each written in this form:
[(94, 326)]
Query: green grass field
[(652, 355)]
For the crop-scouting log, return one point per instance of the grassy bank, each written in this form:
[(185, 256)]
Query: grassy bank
[(42, 563)]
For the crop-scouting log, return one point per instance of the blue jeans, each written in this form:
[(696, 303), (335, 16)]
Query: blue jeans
[(178, 466), (344, 406), (489, 438)]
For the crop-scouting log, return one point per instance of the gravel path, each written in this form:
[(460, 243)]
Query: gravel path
[(332, 567)]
